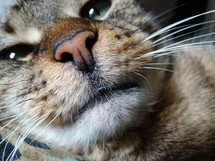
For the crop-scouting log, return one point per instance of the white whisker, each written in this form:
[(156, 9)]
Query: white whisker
[(22, 123), (160, 64), (26, 133), (161, 31), (193, 38), (47, 125), (174, 48), (12, 133), (156, 43), (148, 82), (156, 18), (162, 69), (180, 36), (10, 122), (168, 53), (8, 117)]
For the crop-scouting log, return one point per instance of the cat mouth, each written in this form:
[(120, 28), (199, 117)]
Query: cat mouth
[(105, 94)]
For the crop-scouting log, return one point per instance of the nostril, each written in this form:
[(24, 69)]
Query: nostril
[(89, 43), (67, 57), (77, 49)]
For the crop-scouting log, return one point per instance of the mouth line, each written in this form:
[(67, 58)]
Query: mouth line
[(104, 94)]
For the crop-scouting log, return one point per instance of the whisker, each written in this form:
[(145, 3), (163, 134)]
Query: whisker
[(193, 38), (171, 46), (168, 53), (9, 123), (175, 28), (160, 64), (178, 31), (167, 48), (47, 126), (148, 82), (12, 133), (162, 69), (161, 31), (155, 18), (183, 35), (8, 117), (181, 48), (26, 133), (21, 122)]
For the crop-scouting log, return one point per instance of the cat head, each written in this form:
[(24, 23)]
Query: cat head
[(75, 72)]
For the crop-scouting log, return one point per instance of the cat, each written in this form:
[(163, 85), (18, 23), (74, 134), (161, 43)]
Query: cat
[(100, 80)]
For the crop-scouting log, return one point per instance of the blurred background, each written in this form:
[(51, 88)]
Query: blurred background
[(180, 9)]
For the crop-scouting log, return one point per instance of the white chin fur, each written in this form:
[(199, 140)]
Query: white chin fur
[(99, 123)]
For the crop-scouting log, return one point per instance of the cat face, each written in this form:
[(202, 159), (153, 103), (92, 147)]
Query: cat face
[(73, 71)]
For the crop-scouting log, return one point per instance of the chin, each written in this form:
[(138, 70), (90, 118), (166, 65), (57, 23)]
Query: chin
[(106, 117)]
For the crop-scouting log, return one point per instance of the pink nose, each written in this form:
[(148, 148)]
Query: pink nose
[(75, 49)]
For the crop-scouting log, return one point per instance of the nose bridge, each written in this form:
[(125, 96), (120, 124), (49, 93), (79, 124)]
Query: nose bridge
[(70, 26)]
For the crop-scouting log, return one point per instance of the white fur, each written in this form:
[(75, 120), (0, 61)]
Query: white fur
[(32, 36), (98, 123)]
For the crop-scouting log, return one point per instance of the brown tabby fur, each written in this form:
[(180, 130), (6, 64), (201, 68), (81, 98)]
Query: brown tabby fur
[(168, 116)]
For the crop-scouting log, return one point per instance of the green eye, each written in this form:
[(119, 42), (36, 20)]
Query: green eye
[(95, 9), (20, 52)]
